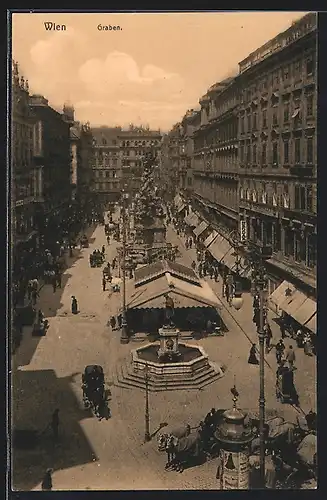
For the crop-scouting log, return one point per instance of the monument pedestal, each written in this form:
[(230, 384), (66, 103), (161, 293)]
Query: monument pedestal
[(168, 336)]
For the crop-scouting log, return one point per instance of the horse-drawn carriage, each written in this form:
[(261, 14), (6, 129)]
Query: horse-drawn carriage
[(97, 259), (85, 242), (291, 446), (95, 395)]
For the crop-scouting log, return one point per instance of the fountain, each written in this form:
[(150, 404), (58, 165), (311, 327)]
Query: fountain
[(169, 364)]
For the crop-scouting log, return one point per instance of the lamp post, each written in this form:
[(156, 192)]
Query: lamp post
[(147, 436), (124, 334), (258, 254)]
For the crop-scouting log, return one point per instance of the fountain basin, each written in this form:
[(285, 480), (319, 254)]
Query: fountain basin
[(193, 360)]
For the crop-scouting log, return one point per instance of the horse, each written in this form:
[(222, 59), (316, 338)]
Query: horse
[(184, 449), (163, 440)]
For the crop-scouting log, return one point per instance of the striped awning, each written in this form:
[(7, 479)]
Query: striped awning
[(278, 296), (312, 324), (192, 219), (212, 236), (181, 207), (200, 228), (305, 311), (219, 248), (293, 302)]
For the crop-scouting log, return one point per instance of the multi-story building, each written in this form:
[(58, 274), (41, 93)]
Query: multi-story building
[(215, 161), (25, 185), (135, 144), (51, 144), (277, 151), (188, 125), (81, 147), (107, 171)]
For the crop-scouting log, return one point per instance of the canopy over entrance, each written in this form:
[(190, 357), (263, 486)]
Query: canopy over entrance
[(194, 301)]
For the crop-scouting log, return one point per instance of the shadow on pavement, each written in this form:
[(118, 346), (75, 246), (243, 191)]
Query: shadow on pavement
[(36, 394), (49, 302)]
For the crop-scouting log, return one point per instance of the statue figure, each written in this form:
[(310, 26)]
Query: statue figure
[(169, 310)]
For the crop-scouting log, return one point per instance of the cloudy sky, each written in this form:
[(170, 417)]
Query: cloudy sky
[(150, 72)]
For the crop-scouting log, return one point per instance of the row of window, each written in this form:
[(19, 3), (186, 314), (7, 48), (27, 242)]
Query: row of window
[(137, 144), (303, 198), (296, 245), (105, 186), (105, 174), (291, 152), (277, 115), (105, 163), (296, 71)]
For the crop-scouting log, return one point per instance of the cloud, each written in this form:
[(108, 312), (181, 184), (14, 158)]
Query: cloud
[(114, 89), (120, 73)]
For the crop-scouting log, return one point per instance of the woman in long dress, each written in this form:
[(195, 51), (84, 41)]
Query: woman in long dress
[(252, 356)]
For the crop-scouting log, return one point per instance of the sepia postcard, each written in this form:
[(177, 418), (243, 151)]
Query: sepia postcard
[(163, 249)]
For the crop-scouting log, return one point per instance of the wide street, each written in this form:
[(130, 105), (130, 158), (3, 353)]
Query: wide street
[(110, 454)]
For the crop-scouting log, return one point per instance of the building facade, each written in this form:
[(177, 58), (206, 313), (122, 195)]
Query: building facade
[(135, 144), (81, 148), (215, 160), (25, 181), (277, 151), (52, 158), (107, 171)]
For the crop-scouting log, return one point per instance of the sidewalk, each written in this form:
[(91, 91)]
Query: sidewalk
[(305, 378)]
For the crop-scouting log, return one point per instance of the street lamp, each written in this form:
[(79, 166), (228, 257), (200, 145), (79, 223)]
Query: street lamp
[(147, 436), (258, 254), (124, 333)]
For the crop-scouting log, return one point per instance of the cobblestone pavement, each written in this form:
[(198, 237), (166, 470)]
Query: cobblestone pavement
[(110, 454)]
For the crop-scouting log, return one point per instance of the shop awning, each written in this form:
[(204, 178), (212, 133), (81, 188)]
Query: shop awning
[(280, 294), (212, 236), (305, 312), (293, 302), (312, 324), (200, 228), (192, 219), (215, 248)]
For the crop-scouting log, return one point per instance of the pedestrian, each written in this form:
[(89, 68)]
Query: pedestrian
[(47, 480), (29, 289), (186, 245), (256, 302), (113, 322), (103, 250), (131, 274), (193, 265), (103, 283), (216, 274), (290, 357), (74, 305), (113, 263), (280, 348), (190, 243), (253, 360), (268, 337), (226, 287), (34, 295), (54, 283), (119, 320), (108, 240), (55, 424), (58, 277)]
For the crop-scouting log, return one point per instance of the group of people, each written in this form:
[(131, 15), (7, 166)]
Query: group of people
[(97, 257)]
